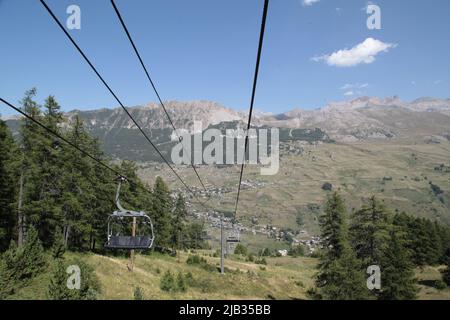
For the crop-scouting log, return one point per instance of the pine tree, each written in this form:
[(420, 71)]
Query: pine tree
[(397, 273), (28, 166), (179, 221), (162, 204), (369, 232), (9, 276), (32, 259), (59, 246), (59, 290), (339, 276), (181, 282), (7, 186)]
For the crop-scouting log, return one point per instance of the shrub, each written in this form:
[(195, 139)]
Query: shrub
[(58, 287), (327, 186), (200, 261), (167, 282), (181, 283), (19, 265), (440, 285), (240, 249), (297, 251), (138, 293), (195, 259)]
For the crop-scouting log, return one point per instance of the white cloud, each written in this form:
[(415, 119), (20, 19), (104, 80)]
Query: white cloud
[(308, 3), (349, 93), (348, 86), (365, 52)]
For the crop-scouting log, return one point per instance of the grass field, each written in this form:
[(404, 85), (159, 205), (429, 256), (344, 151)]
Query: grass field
[(281, 278), (399, 172)]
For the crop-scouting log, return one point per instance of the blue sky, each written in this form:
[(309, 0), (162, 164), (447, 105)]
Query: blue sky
[(206, 49)]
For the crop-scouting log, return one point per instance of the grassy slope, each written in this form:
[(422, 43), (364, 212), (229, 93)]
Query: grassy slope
[(356, 169), (282, 278)]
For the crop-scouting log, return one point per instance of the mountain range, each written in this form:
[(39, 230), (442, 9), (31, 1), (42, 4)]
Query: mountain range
[(364, 118)]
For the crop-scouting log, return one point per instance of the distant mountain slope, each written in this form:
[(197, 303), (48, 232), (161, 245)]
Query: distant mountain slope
[(359, 119)]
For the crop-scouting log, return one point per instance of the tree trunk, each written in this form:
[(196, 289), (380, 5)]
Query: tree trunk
[(66, 235), (20, 215)]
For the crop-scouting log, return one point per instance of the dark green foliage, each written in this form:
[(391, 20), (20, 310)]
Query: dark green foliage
[(240, 249), (59, 247), (167, 282), (59, 290), (397, 272), (7, 186), (369, 232), (181, 282), (340, 276), (179, 224), (199, 261), (297, 251), (264, 252), (19, 265), (32, 260), (327, 186), (9, 275), (138, 293), (162, 204), (428, 242)]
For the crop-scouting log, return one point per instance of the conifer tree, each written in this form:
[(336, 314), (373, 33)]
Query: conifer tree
[(162, 205), (339, 276), (397, 273), (8, 151), (59, 246), (179, 221), (32, 258), (369, 232), (89, 284), (28, 168)]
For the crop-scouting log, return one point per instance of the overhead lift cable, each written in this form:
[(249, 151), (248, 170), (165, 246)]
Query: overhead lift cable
[(255, 80), (73, 145), (113, 94), (152, 83)]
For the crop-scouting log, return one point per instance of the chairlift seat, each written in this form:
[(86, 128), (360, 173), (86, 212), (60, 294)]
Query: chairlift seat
[(129, 242), (233, 240)]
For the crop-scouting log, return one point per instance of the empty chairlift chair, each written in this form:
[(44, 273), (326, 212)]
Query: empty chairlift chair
[(234, 236), (140, 237)]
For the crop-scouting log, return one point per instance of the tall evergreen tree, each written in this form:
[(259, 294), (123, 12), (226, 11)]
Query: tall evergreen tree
[(28, 168), (369, 232), (179, 222), (397, 273), (7, 186), (162, 205), (339, 276)]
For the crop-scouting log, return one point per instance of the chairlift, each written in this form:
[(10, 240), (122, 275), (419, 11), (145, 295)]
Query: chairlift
[(233, 236), (119, 224)]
